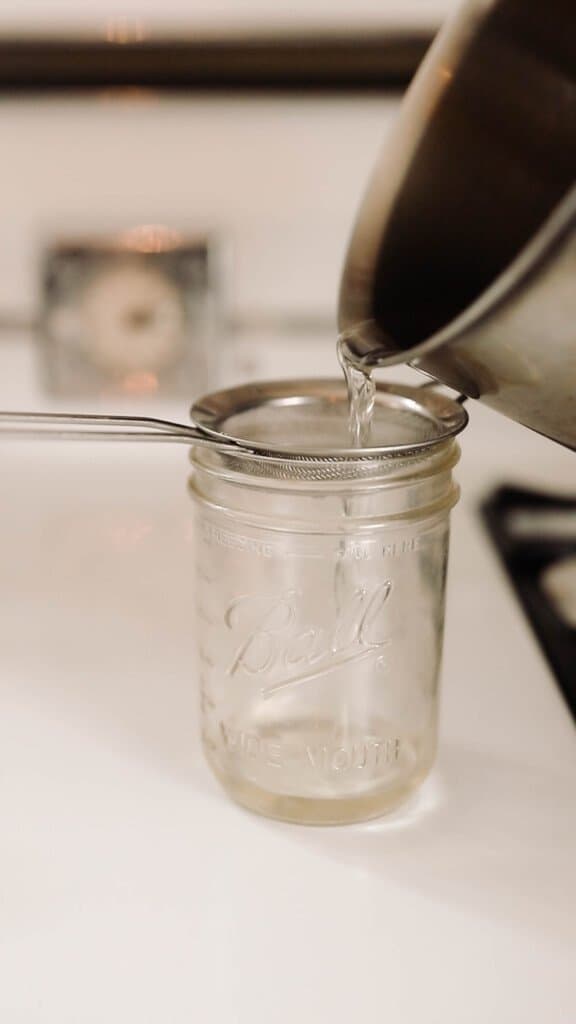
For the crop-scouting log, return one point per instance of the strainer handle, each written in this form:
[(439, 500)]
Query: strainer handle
[(85, 427)]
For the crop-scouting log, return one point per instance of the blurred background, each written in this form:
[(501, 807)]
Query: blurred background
[(177, 172)]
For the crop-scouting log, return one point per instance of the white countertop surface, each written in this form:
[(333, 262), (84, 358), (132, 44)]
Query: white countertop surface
[(134, 892)]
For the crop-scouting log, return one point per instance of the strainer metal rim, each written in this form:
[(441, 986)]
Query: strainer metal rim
[(215, 408)]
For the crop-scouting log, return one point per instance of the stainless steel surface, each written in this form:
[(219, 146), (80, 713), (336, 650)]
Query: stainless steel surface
[(407, 421), (463, 256), (80, 427)]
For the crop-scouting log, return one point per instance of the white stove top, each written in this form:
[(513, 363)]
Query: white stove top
[(134, 891)]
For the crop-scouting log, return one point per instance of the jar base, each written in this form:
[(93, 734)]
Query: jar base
[(317, 811)]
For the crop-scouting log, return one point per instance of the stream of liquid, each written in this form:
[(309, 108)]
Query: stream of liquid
[(361, 397)]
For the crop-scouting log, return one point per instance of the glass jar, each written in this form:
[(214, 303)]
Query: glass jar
[(320, 586)]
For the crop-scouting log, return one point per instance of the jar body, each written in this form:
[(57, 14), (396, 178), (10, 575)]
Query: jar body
[(320, 621)]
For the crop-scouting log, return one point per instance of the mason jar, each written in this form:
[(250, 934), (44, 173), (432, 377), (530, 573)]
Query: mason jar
[(321, 573)]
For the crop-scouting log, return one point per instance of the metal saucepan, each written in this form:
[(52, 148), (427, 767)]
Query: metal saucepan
[(463, 258)]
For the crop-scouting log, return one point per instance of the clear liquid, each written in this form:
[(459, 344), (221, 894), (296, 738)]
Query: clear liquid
[(361, 396)]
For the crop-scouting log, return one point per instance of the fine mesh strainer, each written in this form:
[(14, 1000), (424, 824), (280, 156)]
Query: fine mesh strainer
[(290, 429), (299, 429)]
